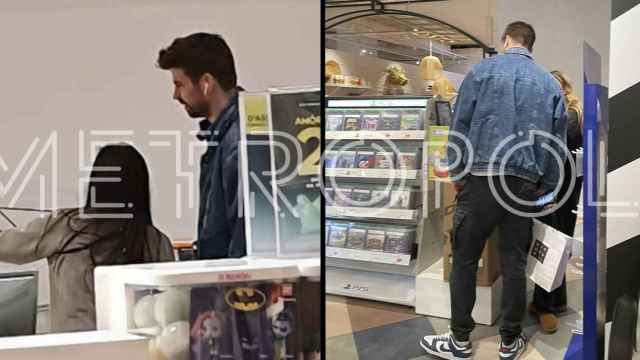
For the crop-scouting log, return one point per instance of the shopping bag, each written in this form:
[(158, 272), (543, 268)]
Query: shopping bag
[(548, 256)]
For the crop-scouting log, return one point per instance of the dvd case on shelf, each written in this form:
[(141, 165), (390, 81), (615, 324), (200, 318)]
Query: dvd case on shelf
[(384, 160), (342, 196), (338, 235), (360, 197), (356, 238), (407, 161), (398, 242), (370, 120), (375, 240), (352, 121), (390, 120), (334, 121), (401, 199), (346, 159), (380, 198), (330, 159), (410, 120), (365, 160)]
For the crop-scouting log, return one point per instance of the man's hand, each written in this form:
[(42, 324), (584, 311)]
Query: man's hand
[(458, 186)]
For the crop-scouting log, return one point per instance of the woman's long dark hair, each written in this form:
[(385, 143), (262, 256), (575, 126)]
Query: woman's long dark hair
[(117, 212)]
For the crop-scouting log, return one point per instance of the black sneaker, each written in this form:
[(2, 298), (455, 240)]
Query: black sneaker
[(515, 350), (446, 347)]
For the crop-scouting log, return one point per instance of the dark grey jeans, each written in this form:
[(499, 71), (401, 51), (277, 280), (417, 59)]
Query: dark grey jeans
[(478, 212)]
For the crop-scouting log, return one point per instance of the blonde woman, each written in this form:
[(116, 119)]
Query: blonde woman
[(546, 306)]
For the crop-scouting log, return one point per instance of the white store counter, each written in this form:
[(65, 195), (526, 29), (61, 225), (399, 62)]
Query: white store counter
[(94, 345)]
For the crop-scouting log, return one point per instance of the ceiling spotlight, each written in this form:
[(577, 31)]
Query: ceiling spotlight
[(416, 30), (364, 51)]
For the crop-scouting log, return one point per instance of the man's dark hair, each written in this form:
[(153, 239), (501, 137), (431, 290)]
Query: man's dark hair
[(521, 32), (198, 54)]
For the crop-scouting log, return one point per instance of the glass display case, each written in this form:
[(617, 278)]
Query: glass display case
[(216, 309)]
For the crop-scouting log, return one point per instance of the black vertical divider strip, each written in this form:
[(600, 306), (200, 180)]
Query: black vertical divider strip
[(619, 7), (322, 200)]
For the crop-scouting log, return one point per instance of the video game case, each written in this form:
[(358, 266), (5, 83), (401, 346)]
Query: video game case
[(356, 238), (365, 160), (361, 197), (407, 161), (352, 122), (390, 120), (398, 242), (330, 159), (334, 122), (329, 194), (384, 160), (375, 240), (342, 197), (410, 120), (346, 159), (402, 199), (338, 236), (379, 198), (370, 121), (327, 231)]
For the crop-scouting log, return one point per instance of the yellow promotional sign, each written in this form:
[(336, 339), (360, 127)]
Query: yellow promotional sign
[(255, 109)]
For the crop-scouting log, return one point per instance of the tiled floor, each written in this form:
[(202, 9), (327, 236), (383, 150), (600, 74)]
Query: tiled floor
[(365, 330)]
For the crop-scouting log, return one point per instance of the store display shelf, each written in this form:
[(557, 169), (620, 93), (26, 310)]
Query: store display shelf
[(345, 90), (376, 135), (390, 288), (373, 173), (375, 213), (369, 256), (369, 266)]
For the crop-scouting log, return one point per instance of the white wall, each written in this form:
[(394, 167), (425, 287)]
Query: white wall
[(561, 28), (84, 65)]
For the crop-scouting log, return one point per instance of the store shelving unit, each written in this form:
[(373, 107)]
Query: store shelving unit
[(382, 275)]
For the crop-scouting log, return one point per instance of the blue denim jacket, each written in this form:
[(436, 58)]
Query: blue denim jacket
[(507, 107), (220, 226)]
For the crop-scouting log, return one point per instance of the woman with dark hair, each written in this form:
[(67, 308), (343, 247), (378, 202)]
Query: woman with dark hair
[(113, 228)]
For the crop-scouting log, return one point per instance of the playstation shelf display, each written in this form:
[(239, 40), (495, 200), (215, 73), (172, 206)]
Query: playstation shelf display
[(380, 230)]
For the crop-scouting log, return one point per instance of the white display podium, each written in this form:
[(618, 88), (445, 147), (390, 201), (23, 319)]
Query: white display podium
[(433, 297)]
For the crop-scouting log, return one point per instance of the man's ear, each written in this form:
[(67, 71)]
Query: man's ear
[(208, 83)]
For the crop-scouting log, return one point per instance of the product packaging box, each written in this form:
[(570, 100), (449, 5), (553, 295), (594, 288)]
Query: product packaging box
[(365, 160), (342, 197), (361, 197), (407, 161), (390, 120), (334, 121), (330, 159), (352, 121), (548, 256), (375, 240), (356, 238), (399, 241), (489, 264), (370, 120), (380, 198), (410, 120), (402, 199), (329, 196), (346, 159), (338, 236), (385, 160)]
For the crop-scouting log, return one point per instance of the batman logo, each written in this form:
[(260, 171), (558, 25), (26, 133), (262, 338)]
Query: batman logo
[(245, 299)]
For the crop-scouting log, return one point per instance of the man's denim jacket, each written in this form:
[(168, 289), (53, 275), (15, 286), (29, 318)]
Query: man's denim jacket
[(512, 112)]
